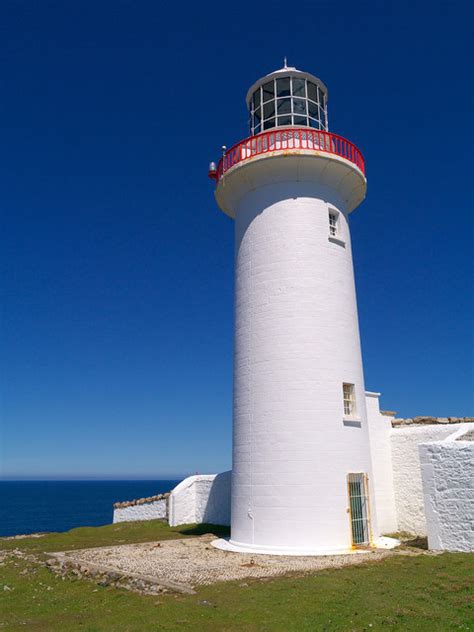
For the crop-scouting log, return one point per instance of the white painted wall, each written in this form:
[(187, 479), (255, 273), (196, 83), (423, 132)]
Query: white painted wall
[(148, 511), (380, 428), (447, 469), (201, 498), (407, 472), (296, 342)]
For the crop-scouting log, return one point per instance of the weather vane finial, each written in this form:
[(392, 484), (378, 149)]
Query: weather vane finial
[(285, 62)]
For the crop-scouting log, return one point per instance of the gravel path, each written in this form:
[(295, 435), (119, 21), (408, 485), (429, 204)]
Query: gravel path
[(194, 561)]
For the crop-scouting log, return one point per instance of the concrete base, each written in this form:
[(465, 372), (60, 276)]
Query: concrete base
[(384, 542), (235, 547)]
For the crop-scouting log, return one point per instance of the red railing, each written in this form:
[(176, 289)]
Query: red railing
[(287, 139)]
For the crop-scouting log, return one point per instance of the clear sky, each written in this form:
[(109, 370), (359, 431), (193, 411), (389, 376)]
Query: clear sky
[(117, 265)]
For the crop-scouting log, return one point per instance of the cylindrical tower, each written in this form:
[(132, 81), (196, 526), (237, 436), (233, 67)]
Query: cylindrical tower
[(301, 458)]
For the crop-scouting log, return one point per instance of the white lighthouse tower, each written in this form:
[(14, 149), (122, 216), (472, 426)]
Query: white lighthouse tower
[(301, 460)]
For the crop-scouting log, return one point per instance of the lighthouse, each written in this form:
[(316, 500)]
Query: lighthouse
[(301, 467)]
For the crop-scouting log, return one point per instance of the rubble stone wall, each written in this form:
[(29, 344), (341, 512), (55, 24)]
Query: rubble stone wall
[(151, 508), (447, 470), (203, 498), (405, 439)]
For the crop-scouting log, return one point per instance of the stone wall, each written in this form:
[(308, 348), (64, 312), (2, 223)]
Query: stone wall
[(405, 439), (151, 508), (431, 421), (447, 470), (197, 499), (201, 498), (397, 480)]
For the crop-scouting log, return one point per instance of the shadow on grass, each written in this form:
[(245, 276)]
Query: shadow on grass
[(418, 542), (408, 539), (201, 529)]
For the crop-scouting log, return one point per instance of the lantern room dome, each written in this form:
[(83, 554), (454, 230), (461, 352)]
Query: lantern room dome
[(287, 97)]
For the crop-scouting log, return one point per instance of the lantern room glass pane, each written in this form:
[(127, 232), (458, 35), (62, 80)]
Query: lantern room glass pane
[(314, 123), (284, 120), (258, 114), (299, 106), (269, 109), (299, 87), (283, 87), (268, 91), (256, 99), (313, 109), (269, 123), (312, 91), (284, 106), (301, 120), (256, 129)]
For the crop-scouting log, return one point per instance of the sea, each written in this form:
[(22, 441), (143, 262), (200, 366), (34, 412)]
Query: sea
[(44, 506)]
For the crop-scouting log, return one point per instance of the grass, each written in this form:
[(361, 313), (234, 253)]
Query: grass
[(414, 593), (110, 535)]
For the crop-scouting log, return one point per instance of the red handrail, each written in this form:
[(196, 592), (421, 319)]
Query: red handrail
[(289, 138)]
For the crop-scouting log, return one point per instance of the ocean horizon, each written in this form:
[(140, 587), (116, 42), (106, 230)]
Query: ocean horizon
[(35, 506)]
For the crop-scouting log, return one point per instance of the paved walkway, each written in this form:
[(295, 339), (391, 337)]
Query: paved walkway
[(194, 561)]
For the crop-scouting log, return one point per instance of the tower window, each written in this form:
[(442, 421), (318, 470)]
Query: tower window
[(332, 223), (349, 400)]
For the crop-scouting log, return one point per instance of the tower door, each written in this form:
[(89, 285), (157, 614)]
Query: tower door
[(359, 508)]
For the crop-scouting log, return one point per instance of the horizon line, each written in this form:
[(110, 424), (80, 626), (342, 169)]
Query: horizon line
[(146, 477)]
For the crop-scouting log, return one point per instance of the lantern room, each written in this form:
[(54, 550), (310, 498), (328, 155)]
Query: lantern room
[(287, 97)]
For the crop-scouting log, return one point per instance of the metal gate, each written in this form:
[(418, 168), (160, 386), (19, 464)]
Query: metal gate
[(359, 508)]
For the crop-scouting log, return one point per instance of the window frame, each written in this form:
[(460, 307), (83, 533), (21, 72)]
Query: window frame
[(333, 225), (336, 237), (350, 410)]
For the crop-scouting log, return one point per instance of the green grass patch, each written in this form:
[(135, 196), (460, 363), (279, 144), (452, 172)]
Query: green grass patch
[(413, 593), (110, 535)]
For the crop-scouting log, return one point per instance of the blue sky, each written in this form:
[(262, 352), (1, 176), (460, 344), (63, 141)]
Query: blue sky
[(117, 265)]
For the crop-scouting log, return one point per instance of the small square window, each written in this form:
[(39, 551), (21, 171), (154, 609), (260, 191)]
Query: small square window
[(349, 400), (332, 223)]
